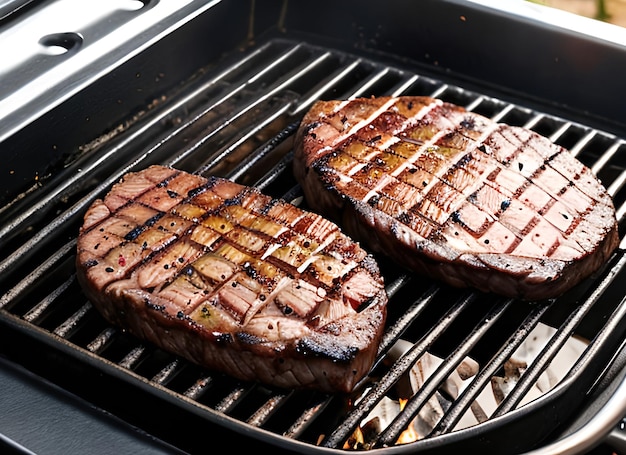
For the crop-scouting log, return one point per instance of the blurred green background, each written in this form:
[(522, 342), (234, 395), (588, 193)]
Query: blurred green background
[(611, 11)]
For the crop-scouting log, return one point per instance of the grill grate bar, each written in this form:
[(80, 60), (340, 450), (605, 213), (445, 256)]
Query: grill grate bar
[(253, 159), (100, 342), (163, 376), (317, 94), (199, 388), (619, 313), (399, 368), (613, 189), (42, 238), (606, 157), (621, 213), (532, 373), (295, 75), (500, 115), (554, 137), (397, 284), (231, 400), (440, 91), (405, 85), (17, 221), (303, 421), (390, 435), (357, 89), (210, 135), (217, 158), (36, 311), (64, 328), (132, 358), (581, 144), (543, 359), (35, 275), (473, 104), (276, 61), (395, 331), (274, 173), (615, 324), (534, 121), (263, 413), (369, 83), (468, 397)]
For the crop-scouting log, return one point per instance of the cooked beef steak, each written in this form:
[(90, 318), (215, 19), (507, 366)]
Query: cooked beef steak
[(454, 195), (233, 280)]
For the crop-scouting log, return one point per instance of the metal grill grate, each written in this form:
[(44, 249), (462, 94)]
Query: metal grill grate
[(238, 121)]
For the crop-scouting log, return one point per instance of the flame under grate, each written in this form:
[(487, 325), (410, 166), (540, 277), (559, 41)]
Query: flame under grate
[(444, 350)]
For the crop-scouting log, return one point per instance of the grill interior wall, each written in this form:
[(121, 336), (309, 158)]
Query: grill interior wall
[(238, 121)]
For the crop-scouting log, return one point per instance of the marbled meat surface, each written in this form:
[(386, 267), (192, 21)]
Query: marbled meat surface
[(453, 195), (233, 280)]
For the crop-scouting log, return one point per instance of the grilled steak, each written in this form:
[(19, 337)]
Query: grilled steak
[(233, 280), (454, 195)]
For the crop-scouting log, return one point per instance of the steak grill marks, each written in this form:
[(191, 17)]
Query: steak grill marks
[(162, 233), (425, 177), (473, 190), (232, 265)]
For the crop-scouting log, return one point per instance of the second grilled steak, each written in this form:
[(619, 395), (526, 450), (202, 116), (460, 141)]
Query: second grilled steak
[(233, 280), (456, 196)]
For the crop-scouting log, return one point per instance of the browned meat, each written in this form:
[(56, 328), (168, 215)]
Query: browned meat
[(233, 280), (454, 195)]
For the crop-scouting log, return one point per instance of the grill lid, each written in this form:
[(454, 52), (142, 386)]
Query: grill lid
[(42, 65)]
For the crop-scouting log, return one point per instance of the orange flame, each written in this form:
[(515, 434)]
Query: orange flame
[(408, 435), (355, 440), (359, 441)]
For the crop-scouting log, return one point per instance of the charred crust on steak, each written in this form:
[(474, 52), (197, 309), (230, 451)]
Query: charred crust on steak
[(247, 338), (373, 201), (223, 338), (134, 233), (311, 126), (164, 183), (455, 140), (333, 351), (218, 280), (198, 190), (153, 306), (152, 220), (404, 218), (468, 122)]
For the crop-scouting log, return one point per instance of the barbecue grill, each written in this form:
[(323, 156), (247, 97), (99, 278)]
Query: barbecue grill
[(88, 93)]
